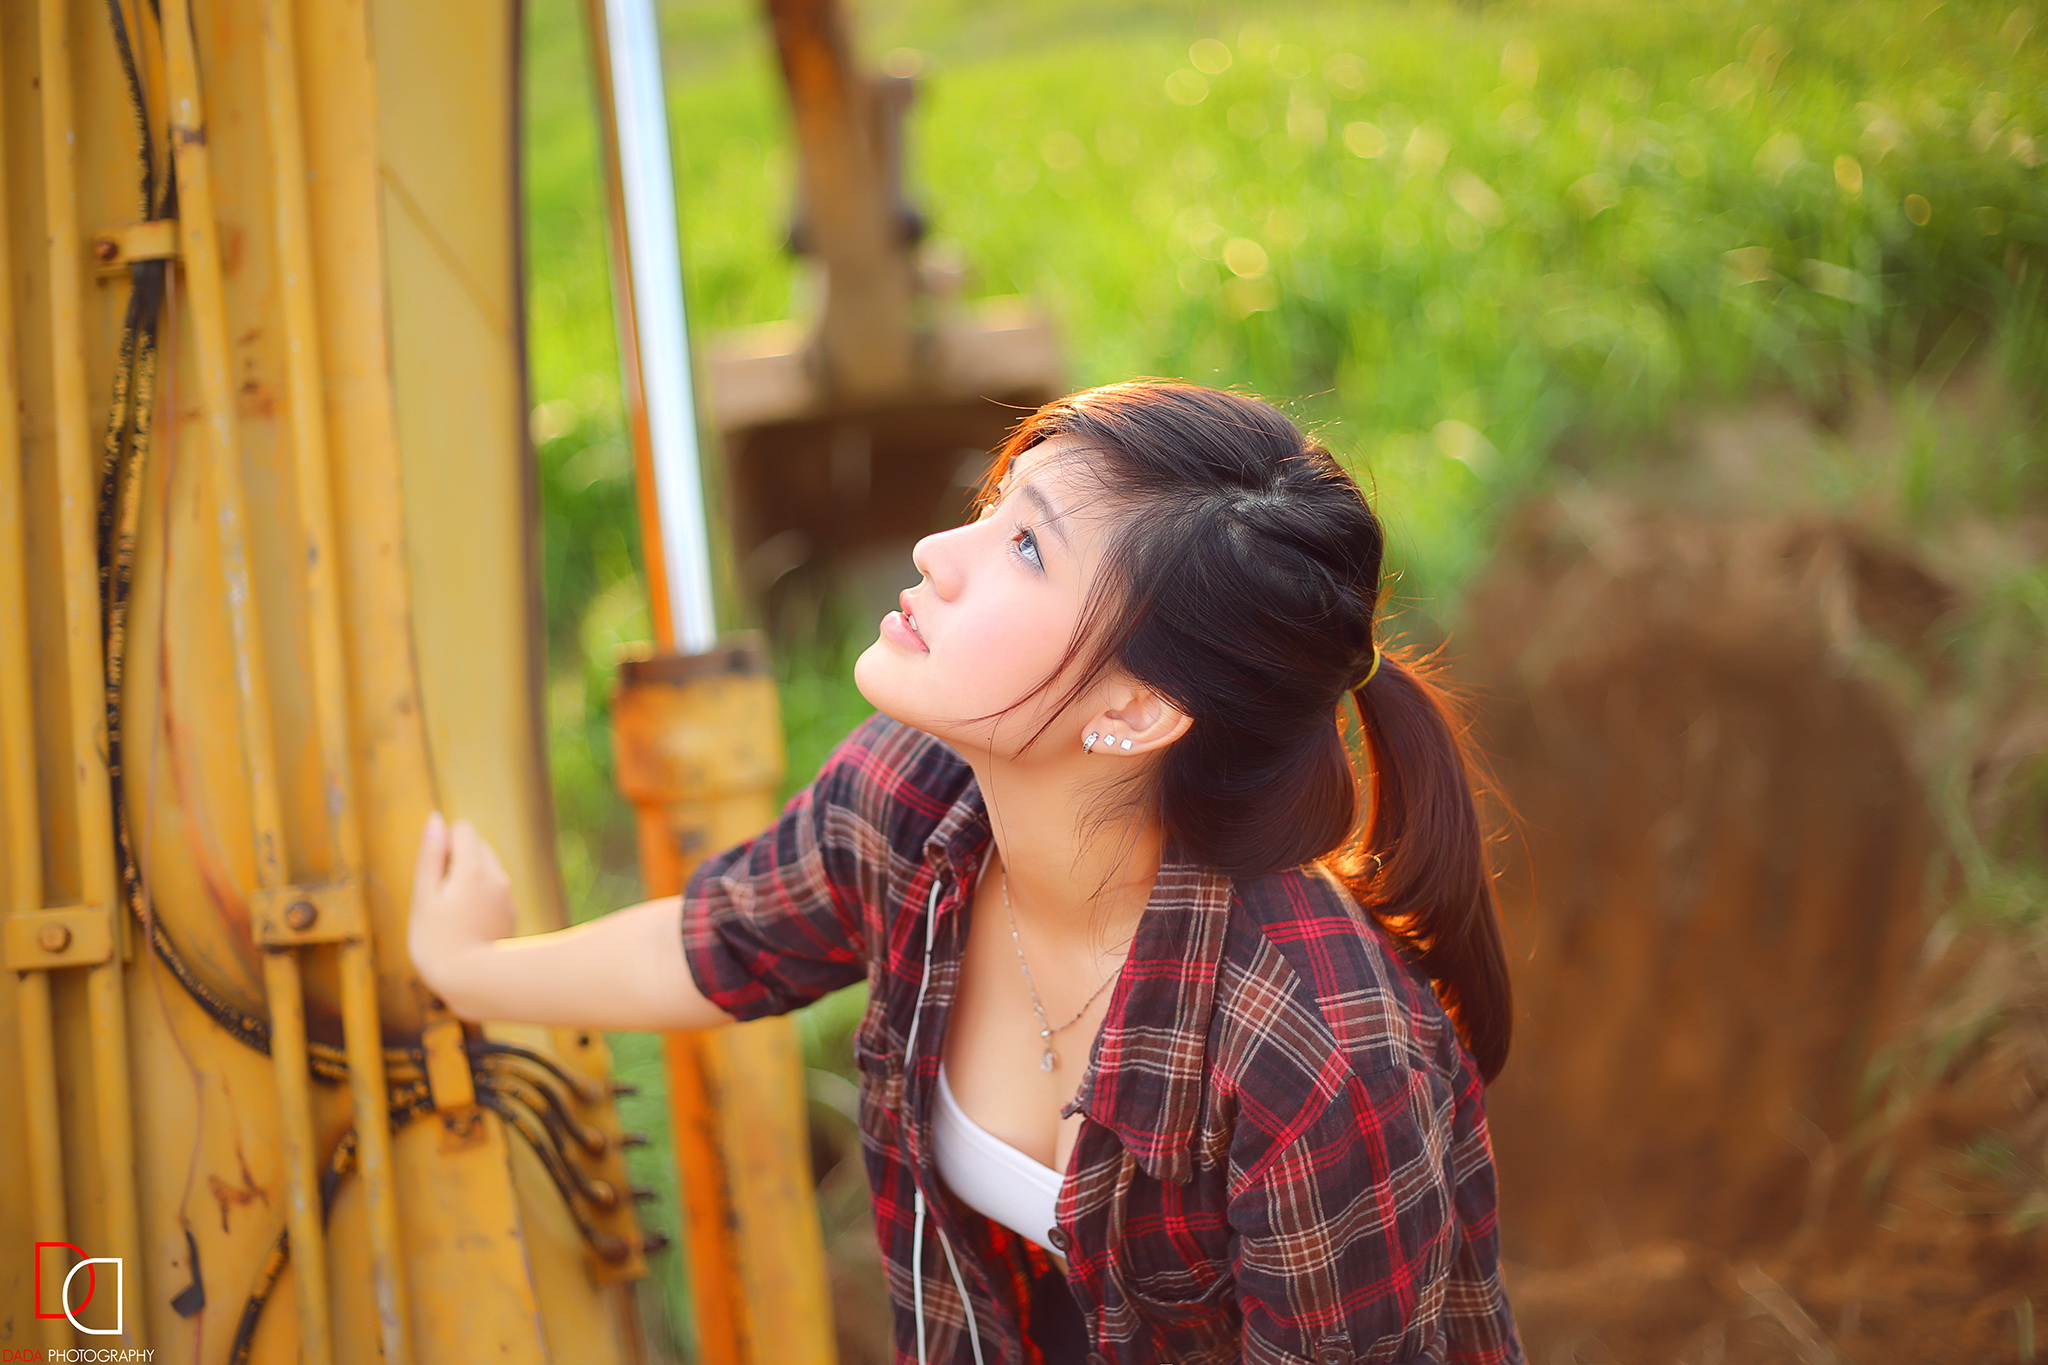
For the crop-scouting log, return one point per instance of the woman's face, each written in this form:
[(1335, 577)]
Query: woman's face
[(996, 611)]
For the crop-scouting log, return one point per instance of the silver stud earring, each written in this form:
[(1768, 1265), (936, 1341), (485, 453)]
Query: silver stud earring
[(1127, 746), (1088, 744)]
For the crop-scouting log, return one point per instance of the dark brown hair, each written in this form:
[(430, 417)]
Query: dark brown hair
[(1240, 581)]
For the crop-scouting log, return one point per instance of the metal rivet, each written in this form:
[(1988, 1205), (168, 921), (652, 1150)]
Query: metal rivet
[(54, 937), (300, 915), (105, 249)]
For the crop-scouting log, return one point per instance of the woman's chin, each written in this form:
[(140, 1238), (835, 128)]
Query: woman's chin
[(881, 683), (892, 683), (866, 673)]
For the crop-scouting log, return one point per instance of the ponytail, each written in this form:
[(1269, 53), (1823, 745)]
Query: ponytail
[(1421, 870)]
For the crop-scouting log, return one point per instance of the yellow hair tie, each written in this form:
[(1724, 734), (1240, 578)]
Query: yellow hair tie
[(1370, 671)]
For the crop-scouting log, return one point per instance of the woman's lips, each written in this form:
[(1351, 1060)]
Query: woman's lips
[(897, 629)]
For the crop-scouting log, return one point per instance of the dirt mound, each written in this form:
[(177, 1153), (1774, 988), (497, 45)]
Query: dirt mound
[(1941, 1291), (1718, 894)]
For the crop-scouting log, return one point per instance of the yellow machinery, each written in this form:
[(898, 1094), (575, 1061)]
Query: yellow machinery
[(268, 595), (850, 433)]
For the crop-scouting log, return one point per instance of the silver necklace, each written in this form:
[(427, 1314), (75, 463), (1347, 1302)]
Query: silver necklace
[(1045, 1027)]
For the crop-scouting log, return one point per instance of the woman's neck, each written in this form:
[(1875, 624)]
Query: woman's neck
[(1068, 872)]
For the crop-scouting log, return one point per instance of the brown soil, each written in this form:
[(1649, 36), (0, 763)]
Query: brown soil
[(1718, 894)]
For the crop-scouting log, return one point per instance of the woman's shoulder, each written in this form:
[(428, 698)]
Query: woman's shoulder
[(1306, 966), (895, 778)]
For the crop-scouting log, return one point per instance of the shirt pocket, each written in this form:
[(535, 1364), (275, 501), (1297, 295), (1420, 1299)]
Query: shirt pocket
[(1190, 1305), (878, 1055)]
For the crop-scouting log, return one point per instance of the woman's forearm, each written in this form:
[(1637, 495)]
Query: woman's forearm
[(622, 971)]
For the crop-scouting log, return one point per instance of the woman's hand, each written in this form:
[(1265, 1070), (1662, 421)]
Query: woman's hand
[(461, 900), (624, 970)]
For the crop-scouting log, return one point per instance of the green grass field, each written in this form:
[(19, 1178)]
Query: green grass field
[(1485, 249)]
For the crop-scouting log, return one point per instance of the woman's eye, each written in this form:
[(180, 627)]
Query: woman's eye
[(1026, 542)]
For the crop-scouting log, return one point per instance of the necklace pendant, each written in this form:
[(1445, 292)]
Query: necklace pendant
[(1047, 1062)]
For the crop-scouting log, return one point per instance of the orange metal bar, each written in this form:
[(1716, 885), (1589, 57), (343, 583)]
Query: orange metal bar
[(698, 743), (707, 1212), (649, 509), (756, 1252)]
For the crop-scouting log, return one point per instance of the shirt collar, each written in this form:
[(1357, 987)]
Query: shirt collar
[(961, 837), (1147, 1074)]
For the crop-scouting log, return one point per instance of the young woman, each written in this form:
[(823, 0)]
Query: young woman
[(1160, 1062)]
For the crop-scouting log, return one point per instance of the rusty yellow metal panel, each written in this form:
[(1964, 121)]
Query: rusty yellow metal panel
[(284, 505)]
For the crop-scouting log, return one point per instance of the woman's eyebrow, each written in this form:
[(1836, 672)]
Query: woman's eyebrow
[(1047, 512)]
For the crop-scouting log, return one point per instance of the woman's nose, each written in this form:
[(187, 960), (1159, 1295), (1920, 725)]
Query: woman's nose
[(937, 557)]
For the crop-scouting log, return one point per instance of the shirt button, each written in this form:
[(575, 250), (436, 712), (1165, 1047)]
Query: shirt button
[(1058, 1238)]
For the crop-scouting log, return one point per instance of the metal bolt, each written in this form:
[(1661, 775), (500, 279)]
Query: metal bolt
[(54, 937), (653, 1242), (300, 915), (634, 1138), (624, 1088), (642, 1194), (105, 249), (609, 1245)]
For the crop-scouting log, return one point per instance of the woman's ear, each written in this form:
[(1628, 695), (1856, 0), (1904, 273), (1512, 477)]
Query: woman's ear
[(1140, 722)]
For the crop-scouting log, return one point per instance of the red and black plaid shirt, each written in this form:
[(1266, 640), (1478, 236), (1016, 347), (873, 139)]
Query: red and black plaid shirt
[(1285, 1155)]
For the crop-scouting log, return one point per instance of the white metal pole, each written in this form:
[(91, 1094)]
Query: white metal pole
[(654, 252)]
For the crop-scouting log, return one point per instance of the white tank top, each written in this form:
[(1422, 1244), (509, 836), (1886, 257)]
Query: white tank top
[(989, 1175)]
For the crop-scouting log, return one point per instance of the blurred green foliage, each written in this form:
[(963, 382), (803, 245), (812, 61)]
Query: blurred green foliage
[(1483, 248)]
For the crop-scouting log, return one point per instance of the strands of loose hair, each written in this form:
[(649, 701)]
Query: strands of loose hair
[(1240, 581)]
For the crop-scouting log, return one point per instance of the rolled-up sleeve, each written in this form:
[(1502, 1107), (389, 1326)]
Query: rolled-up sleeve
[(779, 921)]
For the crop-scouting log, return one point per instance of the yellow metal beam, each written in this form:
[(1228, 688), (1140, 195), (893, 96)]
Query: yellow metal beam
[(23, 849), (283, 986), (209, 332), (35, 1021), (85, 682), (340, 376), (306, 396)]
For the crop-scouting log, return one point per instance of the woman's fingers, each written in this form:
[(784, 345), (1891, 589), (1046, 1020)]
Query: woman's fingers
[(423, 926), (487, 859), (432, 864), (470, 860), (476, 890)]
